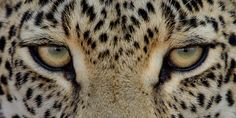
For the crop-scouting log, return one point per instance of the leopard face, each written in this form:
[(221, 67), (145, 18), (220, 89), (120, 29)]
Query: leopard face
[(123, 58)]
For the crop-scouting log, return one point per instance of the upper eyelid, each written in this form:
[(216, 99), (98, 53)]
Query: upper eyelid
[(190, 42), (40, 42)]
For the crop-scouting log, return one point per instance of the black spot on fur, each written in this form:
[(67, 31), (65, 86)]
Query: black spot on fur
[(4, 80), (175, 4), (188, 5), (136, 45), (26, 16), (183, 105), (16, 116), (98, 25), (39, 100), (18, 5), (28, 1), (2, 43), (1, 91), (150, 7), (211, 2), (93, 46), (86, 34), (39, 18), (90, 12), (232, 39), (229, 98), (143, 14), (103, 37), (218, 98), (47, 114), (9, 98), (9, 68), (12, 31), (50, 17), (201, 99), (135, 21), (193, 108), (118, 11), (9, 10), (29, 93), (43, 2), (103, 54)]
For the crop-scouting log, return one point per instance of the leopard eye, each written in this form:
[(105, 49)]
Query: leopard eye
[(184, 58), (52, 57)]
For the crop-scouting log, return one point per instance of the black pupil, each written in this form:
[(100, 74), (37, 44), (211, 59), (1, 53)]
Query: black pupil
[(186, 50), (58, 49)]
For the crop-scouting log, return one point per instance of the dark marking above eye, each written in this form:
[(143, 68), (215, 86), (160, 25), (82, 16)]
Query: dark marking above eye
[(232, 39)]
